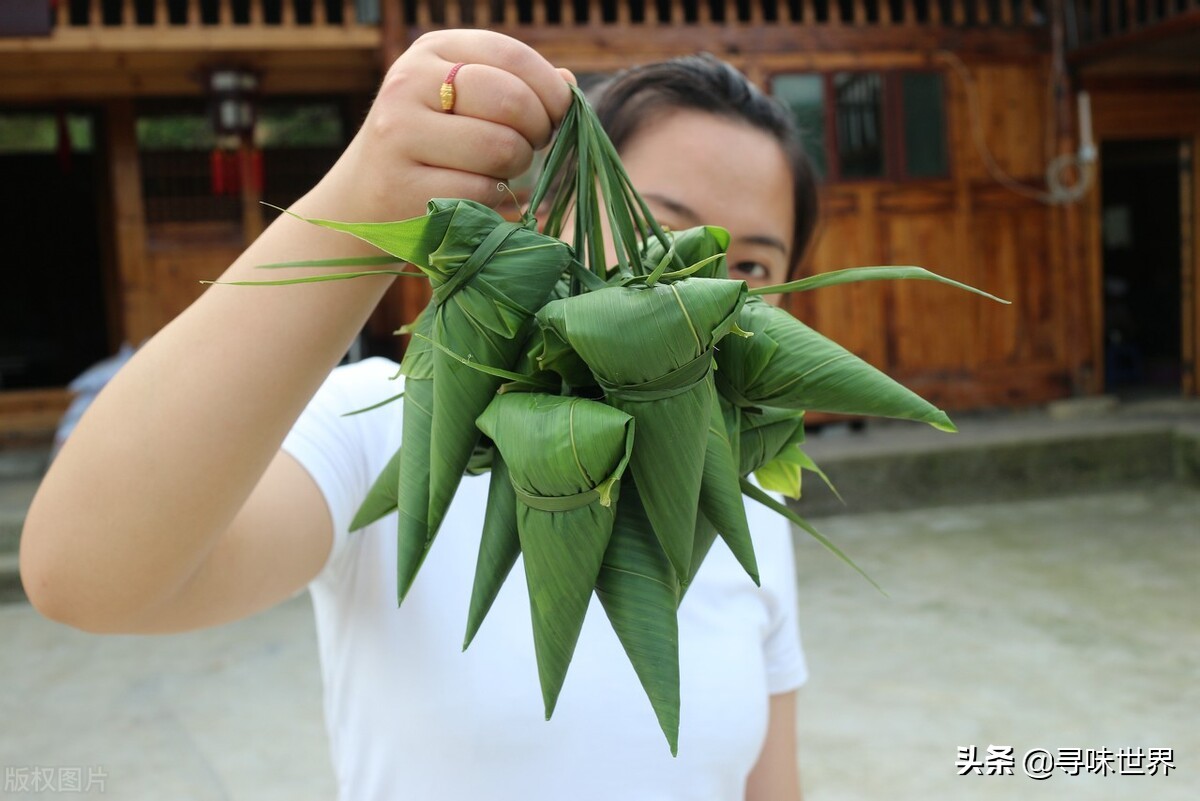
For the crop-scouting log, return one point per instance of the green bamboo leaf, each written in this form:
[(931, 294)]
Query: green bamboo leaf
[(779, 508), (410, 240), (354, 261), (311, 279), (488, 277), (530, 379), (566, 456), (375, 406), (381, 498), (660, 380), (764, 433), (499, 547), (721, 496), (702, 244), (805, 370), (856, 274), (413, 537), (639, 592), (783, 474), (807, 463)]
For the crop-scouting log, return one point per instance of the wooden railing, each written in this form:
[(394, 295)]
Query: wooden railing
[(567, 13), (150, 14), (1094, 22), (509, 14)]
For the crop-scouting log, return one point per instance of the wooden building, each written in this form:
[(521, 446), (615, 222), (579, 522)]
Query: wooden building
[(934, 122)]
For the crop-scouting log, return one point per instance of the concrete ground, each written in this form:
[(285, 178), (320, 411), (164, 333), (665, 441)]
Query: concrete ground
[(1051, 624)]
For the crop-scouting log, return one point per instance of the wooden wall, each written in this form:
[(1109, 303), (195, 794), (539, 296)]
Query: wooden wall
[(960, 350)]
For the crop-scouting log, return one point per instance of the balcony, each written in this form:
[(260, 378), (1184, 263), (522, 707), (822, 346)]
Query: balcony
[(99, 48), (102, 48), (1148, 35)]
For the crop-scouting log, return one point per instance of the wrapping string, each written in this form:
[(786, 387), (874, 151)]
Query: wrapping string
[(676, 382), (474, 263), (557, 503)]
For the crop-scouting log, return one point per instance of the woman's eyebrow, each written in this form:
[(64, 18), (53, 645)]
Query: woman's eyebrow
[(674, 206), (765, 241)]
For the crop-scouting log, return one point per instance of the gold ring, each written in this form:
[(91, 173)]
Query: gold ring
[(447, 91)]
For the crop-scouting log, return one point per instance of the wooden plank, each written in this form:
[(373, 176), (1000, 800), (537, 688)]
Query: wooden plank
[(394, 37), (42, 87), (1189, 197), (252, 210), (989, 388), (483, 14), (129, 240), (1145, 113), (928, 328), (848, 236), (180, 271), (187, 37), (983, 15), (29, 416)]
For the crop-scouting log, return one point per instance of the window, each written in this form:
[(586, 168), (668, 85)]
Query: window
[(805, 96), (44, 132), (189, 176), (885, 126)]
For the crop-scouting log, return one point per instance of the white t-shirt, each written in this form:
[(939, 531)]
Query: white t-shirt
[(412, 716)]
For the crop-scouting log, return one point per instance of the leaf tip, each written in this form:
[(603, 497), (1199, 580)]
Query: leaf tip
[(944, 423)]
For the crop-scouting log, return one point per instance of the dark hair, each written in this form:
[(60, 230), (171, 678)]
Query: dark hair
[(703, 82)]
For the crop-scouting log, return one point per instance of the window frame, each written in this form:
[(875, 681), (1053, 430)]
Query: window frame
[(895, 147)]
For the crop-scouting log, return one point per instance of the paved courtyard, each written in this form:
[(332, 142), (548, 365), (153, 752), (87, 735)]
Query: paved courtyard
[(1047, 624)]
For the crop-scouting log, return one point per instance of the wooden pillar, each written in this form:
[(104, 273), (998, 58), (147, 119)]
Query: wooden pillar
[(252, 214), (395, 37), (129, 221), (1189, 212)]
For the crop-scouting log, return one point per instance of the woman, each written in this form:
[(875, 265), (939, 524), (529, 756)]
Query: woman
[(178, 503)]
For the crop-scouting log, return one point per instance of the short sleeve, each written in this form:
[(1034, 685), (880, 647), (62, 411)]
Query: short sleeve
[(344, 454), (783, 652)]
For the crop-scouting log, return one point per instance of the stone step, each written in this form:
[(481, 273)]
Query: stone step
[(875, 472)]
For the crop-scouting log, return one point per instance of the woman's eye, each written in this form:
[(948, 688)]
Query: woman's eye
[(750, 270)]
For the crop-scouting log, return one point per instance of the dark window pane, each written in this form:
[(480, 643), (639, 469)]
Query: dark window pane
[(804, 95), (858, 114), (924, 125)]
